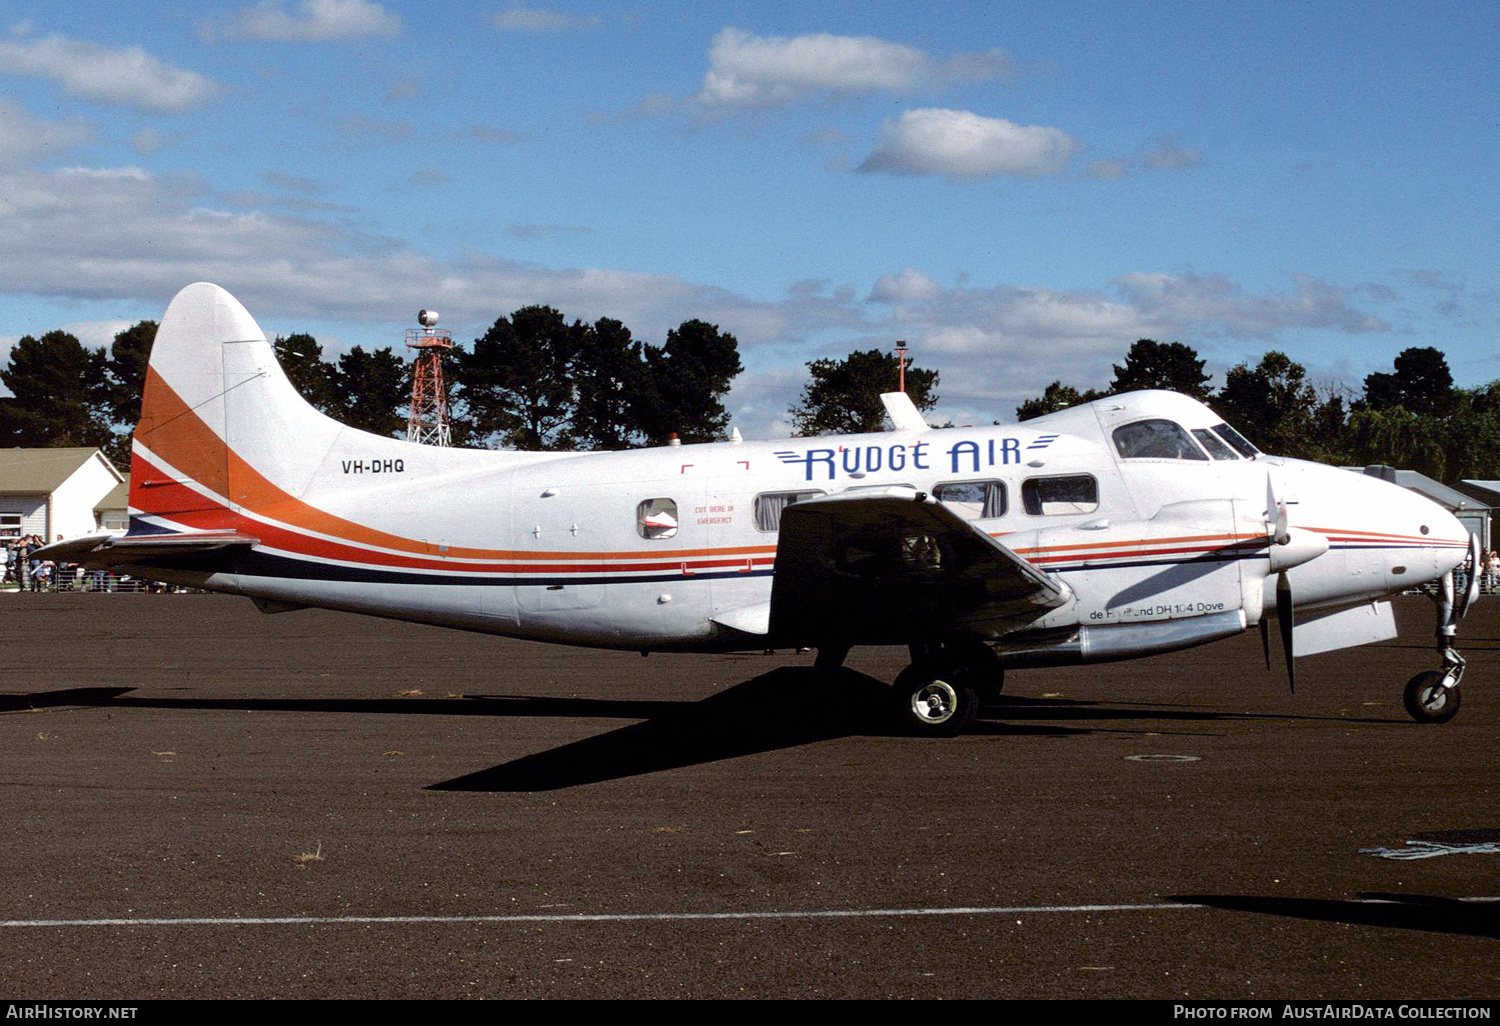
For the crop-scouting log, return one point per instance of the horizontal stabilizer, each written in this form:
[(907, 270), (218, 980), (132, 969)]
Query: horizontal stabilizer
[(103, 551)]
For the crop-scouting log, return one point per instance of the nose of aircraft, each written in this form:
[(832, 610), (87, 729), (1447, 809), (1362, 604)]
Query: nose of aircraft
[(1376, 529), (1426, 540)]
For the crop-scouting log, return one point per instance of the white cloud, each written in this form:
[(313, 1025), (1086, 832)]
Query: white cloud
[(24, 138), (904, 287), (535, 20), (1167, 155), (317, 21), (746, 70), (1212, 304), (996, 346), (96, 334), (128, 77), (126, 234), (966, 146)]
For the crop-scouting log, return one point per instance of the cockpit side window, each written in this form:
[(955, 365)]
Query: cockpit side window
[(1216, 448), (1155, 440), (1240, 443)]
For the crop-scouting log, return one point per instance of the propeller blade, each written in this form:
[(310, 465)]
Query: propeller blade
[(1276, 517), (1286, 619), (1445, 600), (1265, 639), (1475, 569)]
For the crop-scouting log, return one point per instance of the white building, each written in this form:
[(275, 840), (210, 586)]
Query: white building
[(52, 493)]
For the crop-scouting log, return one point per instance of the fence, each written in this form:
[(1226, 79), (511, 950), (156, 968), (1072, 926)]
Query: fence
[(77, 579)]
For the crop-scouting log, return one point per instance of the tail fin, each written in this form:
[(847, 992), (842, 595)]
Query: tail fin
[(221, 426)]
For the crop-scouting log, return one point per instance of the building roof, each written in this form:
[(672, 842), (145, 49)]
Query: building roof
[(118, 497), (43, 470), (1449, 498), (1489, 491)]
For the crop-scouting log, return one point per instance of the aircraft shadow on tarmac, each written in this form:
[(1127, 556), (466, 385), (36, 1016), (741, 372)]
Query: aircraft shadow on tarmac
[(784, 708), (1397, 911)]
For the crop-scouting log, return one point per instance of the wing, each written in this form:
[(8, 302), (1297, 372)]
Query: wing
[(888, 566)]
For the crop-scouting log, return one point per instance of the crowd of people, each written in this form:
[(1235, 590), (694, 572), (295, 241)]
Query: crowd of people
[(28, 573)]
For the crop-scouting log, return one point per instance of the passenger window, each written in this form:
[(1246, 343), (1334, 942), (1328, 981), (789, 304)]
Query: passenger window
[(973, 500), (1155, 440), (1056, 496), (656, 519), (1216, 448), (768, 507)]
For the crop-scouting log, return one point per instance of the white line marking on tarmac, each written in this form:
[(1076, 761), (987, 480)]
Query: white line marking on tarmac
[(602, 917)]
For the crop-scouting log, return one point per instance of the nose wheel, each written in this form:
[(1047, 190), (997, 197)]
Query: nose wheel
[(1432, 696), (1428, 701)]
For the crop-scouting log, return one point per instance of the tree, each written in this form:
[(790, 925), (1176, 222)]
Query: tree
[(1271, 403), (516, 382), (373, 387), (1169, 365), (843, 397), (608, 373), (59, 394), (125, 372), (1055, 397), (685, 382), (1421, 383)]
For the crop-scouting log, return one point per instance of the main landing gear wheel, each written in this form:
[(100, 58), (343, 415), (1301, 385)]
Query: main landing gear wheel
[(1427, 701), (934, 704), (980, 667)]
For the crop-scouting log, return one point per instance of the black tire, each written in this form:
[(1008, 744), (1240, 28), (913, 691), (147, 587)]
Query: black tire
[(934, 704), (1427, 701), (980, 667)]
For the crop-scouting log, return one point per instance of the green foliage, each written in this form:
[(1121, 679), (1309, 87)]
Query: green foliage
[(59, 394), (1270, 403), (1412, 417), (1055, 397), (125, 372), (536, 382), (516, 382), (1169, 365), (1420, 383), (608, 374), (533, 380), (685, 382), (843, 397), (373, 387)]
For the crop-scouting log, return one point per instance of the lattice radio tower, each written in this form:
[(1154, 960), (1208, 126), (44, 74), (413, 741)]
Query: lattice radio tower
[(428, 422)]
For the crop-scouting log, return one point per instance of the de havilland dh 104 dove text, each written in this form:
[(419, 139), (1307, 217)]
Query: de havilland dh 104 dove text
[(1129, 526)]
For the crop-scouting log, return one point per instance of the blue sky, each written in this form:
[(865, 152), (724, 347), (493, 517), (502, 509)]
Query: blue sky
[(1019, 190)]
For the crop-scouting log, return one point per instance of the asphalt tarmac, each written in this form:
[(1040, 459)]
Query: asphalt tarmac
[(203, 801)]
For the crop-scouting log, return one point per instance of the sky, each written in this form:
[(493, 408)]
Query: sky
[(1017, 190)]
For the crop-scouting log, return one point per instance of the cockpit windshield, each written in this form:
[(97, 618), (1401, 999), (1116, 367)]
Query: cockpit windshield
[(1240, 443), (1156, 440), (1216, 447)]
